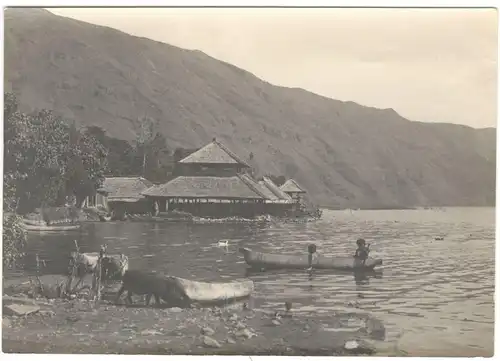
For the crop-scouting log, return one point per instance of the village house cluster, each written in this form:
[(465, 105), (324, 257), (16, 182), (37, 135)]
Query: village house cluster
[(211, 182)]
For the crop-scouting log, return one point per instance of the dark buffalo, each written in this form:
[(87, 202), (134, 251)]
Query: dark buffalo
[(150, 284)]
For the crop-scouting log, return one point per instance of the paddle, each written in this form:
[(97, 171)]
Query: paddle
[(311, 249)]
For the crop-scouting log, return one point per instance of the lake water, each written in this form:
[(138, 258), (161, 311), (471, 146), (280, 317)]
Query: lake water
[(434, 295)]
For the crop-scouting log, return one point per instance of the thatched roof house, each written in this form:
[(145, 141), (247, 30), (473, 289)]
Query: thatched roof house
[(229, 188), (292, 187), (212, 154), (212, 182), (125, 189)]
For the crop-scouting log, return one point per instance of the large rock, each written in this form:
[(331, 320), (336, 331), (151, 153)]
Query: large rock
[(210, 342), (9, 300), (240, 325), (6, 322), (47, 313), (207, 331), (244, 333), (359, 347), (150, 332), (276, 322), (20, 310)]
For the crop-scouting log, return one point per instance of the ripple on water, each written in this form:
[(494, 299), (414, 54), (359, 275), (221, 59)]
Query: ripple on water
[(427, 289)]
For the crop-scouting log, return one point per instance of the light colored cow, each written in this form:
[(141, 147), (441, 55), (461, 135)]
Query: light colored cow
[(113, 266)]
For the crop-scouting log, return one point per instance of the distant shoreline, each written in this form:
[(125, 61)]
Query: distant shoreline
[(392, 208)]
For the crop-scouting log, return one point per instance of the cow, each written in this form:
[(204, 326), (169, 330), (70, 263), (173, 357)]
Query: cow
[(113, 267)]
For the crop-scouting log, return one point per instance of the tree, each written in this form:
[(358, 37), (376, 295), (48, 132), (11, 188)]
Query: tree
[(122, 157), (45, 159), (180, 153), (88, 160), (278, 180), (14, 239), (16, 146), (14, 236), (147, 130), (159, 165)]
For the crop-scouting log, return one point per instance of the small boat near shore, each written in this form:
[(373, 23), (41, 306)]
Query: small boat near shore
[(103, 218), (265, 261), (162, 217), (260, 219), (31, 227), (213, 292)]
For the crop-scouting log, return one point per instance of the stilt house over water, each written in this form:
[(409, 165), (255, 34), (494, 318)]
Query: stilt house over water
[(215, 182)]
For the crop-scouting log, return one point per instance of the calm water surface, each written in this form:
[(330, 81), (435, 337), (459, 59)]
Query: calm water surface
[(433, 294)]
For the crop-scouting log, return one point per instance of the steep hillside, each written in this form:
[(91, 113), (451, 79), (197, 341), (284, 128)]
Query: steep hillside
[(345, 154)]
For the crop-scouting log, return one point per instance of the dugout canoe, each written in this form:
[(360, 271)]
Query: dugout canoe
[(264, 261), (160, 218), (54, 228), (213, 292), (103, 218)]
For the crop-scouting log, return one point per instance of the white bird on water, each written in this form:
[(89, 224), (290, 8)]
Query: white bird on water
[(223, 243)]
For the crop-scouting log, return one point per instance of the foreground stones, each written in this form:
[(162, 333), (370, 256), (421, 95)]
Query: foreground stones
[(77, 326), (210, 342), (359, 347), (19, 310), (207, 331), (6, 322)]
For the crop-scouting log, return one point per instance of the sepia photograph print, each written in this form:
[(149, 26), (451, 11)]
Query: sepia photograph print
[(279, 181)]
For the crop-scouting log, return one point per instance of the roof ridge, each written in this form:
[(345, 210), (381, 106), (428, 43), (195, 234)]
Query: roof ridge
[(119, 177), (225, 187), (233, 156), (248, 181), (293, 183), (230, 152), (264, 186), (275, 189)]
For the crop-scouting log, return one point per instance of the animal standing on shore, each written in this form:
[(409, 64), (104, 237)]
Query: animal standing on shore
[(83, 264), (150, 284)]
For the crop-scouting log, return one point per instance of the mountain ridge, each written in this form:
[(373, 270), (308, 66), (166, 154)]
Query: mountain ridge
[(345, 154)]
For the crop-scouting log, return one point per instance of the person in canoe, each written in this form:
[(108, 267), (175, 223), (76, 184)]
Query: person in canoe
[(363, 250)]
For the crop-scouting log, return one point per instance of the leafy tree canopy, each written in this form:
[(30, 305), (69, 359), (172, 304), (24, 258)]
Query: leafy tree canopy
[(46, 159)]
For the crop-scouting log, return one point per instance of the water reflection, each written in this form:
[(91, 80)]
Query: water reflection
[(363, 277), (360, 277)]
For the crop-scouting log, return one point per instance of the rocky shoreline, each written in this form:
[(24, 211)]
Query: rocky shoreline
[(80, 326)]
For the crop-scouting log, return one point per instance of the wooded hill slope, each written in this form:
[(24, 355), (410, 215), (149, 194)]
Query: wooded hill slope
[(344, 154)]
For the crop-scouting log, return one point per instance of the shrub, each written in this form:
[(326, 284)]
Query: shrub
[(14, 239)]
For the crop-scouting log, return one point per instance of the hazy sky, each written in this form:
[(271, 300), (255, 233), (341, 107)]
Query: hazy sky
[(430, 64)]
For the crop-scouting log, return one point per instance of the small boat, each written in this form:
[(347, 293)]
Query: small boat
[(230, 220), (212, 292), (54, 228), (161, 218), (104, 218), (277, 261)]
